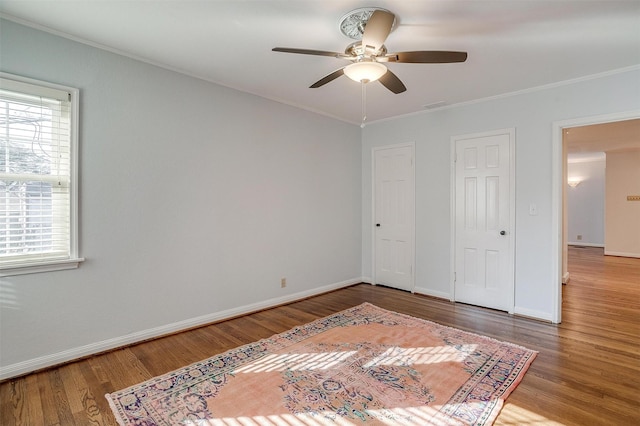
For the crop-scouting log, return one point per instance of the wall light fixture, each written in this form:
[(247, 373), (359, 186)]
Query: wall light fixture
[(573, 182)]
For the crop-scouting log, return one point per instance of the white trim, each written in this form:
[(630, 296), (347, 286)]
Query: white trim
[(38, 267), (433, 293), (73, 94), (621, 254), (515, 93), (33, 89), (512, 210), (411, 145), (38, 363), (511, 131), (557, 183), (591, 159), (566, 277), (373, 216), (530, 313), (452, 220), (581, 244), (57, 89)]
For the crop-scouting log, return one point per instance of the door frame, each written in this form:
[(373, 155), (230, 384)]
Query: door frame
[(412, 221), (511, 131), (558, 187)]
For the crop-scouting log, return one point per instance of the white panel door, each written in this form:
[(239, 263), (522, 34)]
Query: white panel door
[(484, 261), (394, 217)]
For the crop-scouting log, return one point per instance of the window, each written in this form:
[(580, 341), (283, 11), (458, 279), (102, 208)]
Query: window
[(38, 176)]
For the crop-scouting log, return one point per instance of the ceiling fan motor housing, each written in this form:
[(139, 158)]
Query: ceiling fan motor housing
[(358, 51)]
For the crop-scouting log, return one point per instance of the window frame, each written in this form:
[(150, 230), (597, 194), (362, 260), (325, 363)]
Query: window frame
[(73, 260)]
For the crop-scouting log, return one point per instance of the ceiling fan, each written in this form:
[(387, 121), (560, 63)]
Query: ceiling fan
[(372, 26)]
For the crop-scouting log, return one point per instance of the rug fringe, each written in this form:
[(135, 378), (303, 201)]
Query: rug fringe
[(114, 410)]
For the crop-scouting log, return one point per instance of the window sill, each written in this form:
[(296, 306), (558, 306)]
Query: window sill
[(37, 267)]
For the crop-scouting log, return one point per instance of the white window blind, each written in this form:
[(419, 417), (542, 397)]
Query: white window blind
[(37, 203)]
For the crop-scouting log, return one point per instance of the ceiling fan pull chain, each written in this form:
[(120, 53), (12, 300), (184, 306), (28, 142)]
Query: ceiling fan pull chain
[(364, 101)]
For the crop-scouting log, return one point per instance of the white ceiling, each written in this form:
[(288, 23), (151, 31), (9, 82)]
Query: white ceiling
[(513, 45)]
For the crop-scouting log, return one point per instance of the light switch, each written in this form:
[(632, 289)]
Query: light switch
[(533, 209)]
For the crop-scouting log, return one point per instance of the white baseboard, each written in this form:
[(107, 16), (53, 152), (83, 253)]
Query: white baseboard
[(621, 254), (433, 293), (28, 366), (531, 313), (581, 244), (419, 290)]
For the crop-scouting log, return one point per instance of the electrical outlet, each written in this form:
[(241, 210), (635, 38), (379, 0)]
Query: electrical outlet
[(579, 237), (283, 282)]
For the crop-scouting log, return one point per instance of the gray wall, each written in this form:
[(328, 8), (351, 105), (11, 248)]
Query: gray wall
[(585, 203), (195, 200), (531, 113)]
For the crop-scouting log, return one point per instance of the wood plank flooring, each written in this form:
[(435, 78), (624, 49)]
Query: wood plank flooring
[(587, 371)]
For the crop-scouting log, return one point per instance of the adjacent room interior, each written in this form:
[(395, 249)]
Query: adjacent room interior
[(601, 169)]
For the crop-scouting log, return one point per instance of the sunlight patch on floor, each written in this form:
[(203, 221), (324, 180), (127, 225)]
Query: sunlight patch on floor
[(275, 420), (412, 416), (414, 356), (302, 361), (512, 415), (400, 416), (325, 360)]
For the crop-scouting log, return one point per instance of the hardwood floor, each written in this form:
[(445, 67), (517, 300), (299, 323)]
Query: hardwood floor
[(587, 371)]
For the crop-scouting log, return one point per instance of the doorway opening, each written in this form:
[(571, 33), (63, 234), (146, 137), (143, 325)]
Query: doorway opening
[(559, 191)]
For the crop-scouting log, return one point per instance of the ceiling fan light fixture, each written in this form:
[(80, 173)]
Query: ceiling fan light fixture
[(365, 71)]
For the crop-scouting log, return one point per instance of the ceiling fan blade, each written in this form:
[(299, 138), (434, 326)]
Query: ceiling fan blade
[(310, 52), (377, 29), (428, 57), (392, 82), (327, 78)]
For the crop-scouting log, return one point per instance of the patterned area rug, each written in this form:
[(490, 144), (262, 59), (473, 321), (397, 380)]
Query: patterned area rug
[(362, 365)]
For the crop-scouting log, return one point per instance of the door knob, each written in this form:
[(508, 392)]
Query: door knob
[(378, 225), (503, 232)]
